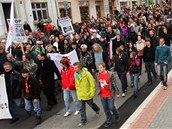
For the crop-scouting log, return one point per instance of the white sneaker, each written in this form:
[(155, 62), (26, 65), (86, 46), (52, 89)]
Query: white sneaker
[(98, 113), (76, 113), (123, 94), (81, 124), (164, 87), (66, 114)]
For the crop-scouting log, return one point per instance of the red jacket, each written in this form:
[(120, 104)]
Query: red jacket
[(48, 28), (68, 79)]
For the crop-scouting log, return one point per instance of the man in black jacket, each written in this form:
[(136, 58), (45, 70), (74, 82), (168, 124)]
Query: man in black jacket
[(31, 91), (149, 59), (153, 39), (117, 43), (45, 73), (13, 82)]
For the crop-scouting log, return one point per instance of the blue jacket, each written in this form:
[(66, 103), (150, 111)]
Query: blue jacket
[(162, 54)]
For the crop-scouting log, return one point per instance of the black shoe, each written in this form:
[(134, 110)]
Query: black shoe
[(14, 120), (149, 83), (117, 118), (38, 120), (155, 77), (135, 95), (48, 108), (106, 125), (29, 113)]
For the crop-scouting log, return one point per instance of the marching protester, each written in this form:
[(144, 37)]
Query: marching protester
[(98, 57), (121, 66), (27, 63), (68, 86), (134, 71), (13, 82), (107, 88), (86, 90), (45, 73), (149, 59), (31, 91), (38, 48), (85, 57), (140, 44), (117, 43), (162, 58), (153, 38), (30, 52)]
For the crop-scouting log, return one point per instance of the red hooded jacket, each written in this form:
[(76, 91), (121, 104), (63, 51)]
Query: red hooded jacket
[(68, 79)]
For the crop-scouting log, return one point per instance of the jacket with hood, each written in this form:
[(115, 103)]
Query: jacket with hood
[(68, 79), (85, 85)]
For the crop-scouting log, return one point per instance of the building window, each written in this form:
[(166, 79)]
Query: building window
[(40, 11), (63, 11), (84, 10)]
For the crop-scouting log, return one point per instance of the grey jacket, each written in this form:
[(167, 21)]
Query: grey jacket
[(113, 86)]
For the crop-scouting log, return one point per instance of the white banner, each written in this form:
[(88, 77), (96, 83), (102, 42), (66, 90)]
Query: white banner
[(4, 106), (11, 27), (18, 31), (72, 57), (111, 51), (66, 25)]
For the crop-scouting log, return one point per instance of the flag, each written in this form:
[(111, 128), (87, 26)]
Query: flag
[(11, 27), (4, 106), (110, 48), (71, 57)]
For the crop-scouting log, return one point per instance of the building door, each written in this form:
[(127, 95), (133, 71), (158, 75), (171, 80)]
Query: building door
[(6, 9)]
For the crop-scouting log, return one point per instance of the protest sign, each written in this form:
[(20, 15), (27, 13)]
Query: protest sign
[(4, 106), (66, 25), (18, 31)]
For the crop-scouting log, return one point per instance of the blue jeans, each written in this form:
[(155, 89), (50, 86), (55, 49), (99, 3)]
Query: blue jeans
[(135, 77), (83, 109), (31, 105), (108, 106), (66, 94), (162, 72)]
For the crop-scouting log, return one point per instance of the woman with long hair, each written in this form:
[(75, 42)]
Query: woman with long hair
[(134, 71), (68, 86)]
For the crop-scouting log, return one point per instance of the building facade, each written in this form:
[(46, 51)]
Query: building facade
[(50, 10)]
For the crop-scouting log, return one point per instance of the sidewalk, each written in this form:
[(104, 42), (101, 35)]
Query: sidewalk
[(59, 122), (155, 112)]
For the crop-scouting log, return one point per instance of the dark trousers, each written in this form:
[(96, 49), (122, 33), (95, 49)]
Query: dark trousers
[(12, 106), (140, 68), (123, 79), (51, 100), (83, 109), (150, 68), (108, 106)]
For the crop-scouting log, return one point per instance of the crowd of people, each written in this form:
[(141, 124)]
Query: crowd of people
[(142, 34)]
